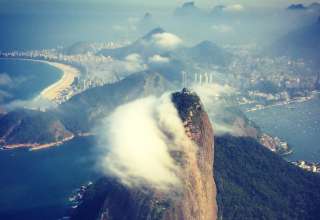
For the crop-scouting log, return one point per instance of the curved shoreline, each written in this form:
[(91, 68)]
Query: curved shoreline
[(292, 101), (36, 146), (54, 92)]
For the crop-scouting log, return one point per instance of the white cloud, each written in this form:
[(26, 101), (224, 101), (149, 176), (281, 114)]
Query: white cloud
[(158, 59), (134, 57), (212, 97), (137, 139), (36, 103), (209, 92), (166, 41), (134, 63), (234, 8), (110, 70), (221, 28)]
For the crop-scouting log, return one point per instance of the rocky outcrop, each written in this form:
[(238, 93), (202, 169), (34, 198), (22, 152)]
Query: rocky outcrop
[(194, 199), (200, 191)]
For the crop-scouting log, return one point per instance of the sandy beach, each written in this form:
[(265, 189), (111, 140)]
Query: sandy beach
[(55, 91)]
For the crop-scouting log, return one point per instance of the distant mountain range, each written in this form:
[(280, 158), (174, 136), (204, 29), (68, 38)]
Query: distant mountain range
[(188, 9), (62, 122), (206, 53), (78, 48), (54, 125), (302, 43), (297, 7), (142, 46)]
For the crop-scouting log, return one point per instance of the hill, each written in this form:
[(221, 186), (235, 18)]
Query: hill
[(78, 48), (31, 127), (205, 53), (23, 126), (142, 46), (254, 183)]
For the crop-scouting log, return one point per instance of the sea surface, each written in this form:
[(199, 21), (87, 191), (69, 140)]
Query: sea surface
[(297, 123), (37, 184), (23, 79)]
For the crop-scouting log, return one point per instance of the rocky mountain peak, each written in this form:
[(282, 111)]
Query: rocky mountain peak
[(194, 198), (153, 32), (296, 7), (187, 103), (188, 4)]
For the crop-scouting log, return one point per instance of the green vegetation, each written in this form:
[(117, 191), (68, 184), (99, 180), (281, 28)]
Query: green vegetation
[(28, 126), (254, 183)]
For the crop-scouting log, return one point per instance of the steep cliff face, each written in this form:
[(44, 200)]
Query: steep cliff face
[(194, 198), (199, 188)]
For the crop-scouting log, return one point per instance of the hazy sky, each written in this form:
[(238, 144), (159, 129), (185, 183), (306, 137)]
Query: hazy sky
[(201, 3), (215, 2)]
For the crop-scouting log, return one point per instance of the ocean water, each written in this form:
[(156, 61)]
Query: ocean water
[(36, 185), (297, 123), (23, 80)]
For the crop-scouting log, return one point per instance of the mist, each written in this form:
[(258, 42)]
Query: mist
[(213, 97), (136, 141)]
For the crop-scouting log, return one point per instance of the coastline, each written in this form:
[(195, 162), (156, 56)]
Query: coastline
[(295, 108), (54, 92), (36, 146), (283, 103)]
